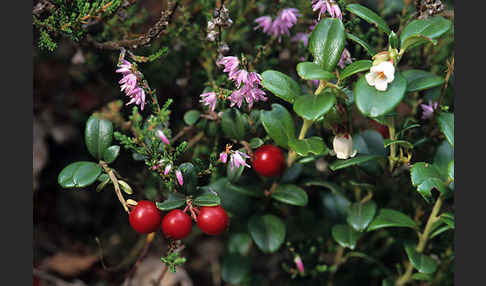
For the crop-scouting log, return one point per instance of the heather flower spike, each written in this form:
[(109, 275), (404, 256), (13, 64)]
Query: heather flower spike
[(223, 157), (285, 20), (129, 83), (345, 59), (381, 75), (179, 177), (327, 5), (167, 169), (237, 159), (162, 136), (209, 99), (428, 110)]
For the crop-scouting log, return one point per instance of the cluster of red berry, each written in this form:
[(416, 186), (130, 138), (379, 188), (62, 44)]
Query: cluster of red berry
[(176, 224)]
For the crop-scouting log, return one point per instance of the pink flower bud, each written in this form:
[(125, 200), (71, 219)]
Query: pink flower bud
[(167, 169), (223, 157), (162, 137), (299, 263), (179, 177)]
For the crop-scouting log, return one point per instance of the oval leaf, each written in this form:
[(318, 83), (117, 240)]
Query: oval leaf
[(312, 107), (290, 194), (234, 124), (361, 214), (174, 200), (372, 102), (421, 31), (79, 174), (345, 235), (369, 49), (111, 153), (235, 268), (391, 218), (340, 164), (312, 71), (278, 124), (98, 135), (369, 16), (425, 177), (450, 170), (207, 200), (326, 43), (419, 80), (446, 125), (239, 243), (355, 67), (281, 85), (268, 232), (421, 262), (303, 147), (191, 117)]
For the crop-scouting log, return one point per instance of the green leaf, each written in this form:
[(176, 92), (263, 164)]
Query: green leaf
[(291, 173), (345, 236), (369, 16), (335, 189), (281, 85), (103, 184), (239, 243), (428, 29), (191, 117), (448, 218), (207, 200), (421, 276), (361, 214), (290, 194), (444, 154), (267, 231), (369, 142), (355, 67), (312, 107), (446, 125), (235, 174), (234, 124), (419, 80), (278, 124), (340, 164), (314, 145), (125, 187), (326, 43), (111, 153), (450, 170), (233, 202), (312, 71), (393, 40), (369, 49), (174, 200), (247, 190), (98, 135), (426, 176), (391, 218), (256, 142), (79, 174), (404, 143), (190, 177), (372, 102), (421, 262), (235, 268)]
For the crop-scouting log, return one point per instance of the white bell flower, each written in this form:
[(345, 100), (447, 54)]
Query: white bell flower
[(381, 75), (343, 146)]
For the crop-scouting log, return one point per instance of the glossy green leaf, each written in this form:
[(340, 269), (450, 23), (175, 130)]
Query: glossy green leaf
[(98, 135), (355, 67), (191, 117), (314, 145), (291, 173), (372, 102), (174, 200), (345, 235), (361, 214), (448, 218), (421, 276), (234, 124), (256, 142), (281, 85), (278, 124), (421, 262), (312, 107), (111, 153), (393, 40), (368, 48), (425, 177), (312, 71), (235, 268), (446, 125), (267, 231), (290, 194), (326, 43), (391, 218), (369, 16), (341, 164), (190, 177), (79, 174), (331, 186), (207, 200), (369, 142), (236, 203), (247, 190), (450, 170), (404, 143), (419, 80), (429, 29), (239, 243), (103, 184)]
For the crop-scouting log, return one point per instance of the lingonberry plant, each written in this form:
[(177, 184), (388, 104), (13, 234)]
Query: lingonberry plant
[(321, 143)]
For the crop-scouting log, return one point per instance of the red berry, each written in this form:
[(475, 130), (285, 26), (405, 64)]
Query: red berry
[(212, 220), (268, 160), (145, 217), (176, 224)]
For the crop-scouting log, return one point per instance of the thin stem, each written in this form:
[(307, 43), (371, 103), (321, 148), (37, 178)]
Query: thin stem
[(337, 262), (303, 131), (423, 238), (114, 180), (391, 131)]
